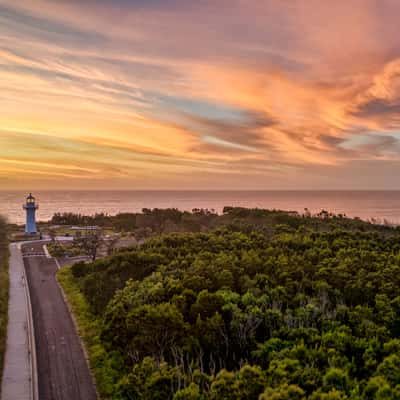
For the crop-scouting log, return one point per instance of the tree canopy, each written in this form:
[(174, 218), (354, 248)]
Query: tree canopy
[(279, 311)]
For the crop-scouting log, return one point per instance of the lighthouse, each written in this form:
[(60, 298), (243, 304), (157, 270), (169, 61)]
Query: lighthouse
[(30, 206)]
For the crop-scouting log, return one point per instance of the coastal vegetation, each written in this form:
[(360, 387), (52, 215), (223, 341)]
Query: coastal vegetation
[(156, 221), (268, 305), (3, 290)]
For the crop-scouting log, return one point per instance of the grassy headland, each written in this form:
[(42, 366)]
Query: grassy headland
[(3, 290), (266, 306)]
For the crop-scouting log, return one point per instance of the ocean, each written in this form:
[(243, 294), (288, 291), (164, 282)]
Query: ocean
[(380, 205)]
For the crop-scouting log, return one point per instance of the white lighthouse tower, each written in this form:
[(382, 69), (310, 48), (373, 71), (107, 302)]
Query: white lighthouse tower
[(30, 206)]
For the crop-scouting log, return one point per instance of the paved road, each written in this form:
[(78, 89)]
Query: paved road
[(63, 373)]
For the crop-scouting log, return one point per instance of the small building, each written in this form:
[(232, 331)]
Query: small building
[(30, 207), (85, 228)]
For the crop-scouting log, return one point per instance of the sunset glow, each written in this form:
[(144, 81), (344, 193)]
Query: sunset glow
[(171, 94)]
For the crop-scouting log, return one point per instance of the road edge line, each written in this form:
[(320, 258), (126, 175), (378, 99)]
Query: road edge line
[(46, 251)]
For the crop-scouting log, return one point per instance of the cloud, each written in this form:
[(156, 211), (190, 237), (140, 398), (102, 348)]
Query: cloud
[(157, 88), (382, 111), (379, 104)]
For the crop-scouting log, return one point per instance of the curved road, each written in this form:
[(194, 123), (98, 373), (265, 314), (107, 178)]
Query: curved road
[(63, 373)]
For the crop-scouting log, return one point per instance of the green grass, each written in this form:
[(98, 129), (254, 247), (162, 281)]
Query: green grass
[(67, 231), (4, 284), (102, 365)]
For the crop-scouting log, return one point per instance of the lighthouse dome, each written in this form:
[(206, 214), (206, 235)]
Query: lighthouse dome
[(30, 198)]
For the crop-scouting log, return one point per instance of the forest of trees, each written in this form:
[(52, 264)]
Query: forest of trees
[(296, 308), (3, 290)]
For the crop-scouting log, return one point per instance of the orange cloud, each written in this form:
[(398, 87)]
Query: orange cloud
[(147, 93)]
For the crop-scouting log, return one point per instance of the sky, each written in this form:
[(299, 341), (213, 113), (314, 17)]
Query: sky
[(177, 94)]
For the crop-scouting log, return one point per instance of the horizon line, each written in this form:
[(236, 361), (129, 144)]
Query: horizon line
[(194, 190)]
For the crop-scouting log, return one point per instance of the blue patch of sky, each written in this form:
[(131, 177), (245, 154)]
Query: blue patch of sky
[(203, 109), (363, 139), (395, 134), (137, 69), (40, 28), (227, 144), (141, 4), (355, 141), (40, 72), (122, 94)]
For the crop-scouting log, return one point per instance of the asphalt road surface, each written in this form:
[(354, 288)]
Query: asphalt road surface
[(63, 373)]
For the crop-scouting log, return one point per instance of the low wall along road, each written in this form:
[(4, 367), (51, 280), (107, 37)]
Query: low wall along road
[(19, 376)]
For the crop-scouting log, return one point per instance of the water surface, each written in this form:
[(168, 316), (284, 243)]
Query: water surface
[(364, 204)]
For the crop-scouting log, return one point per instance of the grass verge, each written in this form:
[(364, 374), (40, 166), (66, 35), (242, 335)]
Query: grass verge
[(101, 363), (4, 288)]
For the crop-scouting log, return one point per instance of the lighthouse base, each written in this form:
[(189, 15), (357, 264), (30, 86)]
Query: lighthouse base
[(22, 236)]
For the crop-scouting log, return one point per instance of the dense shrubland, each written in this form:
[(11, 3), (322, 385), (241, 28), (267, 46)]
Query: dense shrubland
[(305, 308), (3, 290), (156, 221)]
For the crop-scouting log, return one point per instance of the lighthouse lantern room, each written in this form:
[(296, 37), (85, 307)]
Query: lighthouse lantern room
[(30, 206)]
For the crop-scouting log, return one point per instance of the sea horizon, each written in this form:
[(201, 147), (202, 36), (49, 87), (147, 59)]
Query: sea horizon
[(378, 205), (197, 190)]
